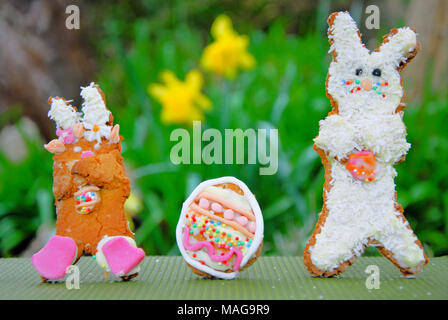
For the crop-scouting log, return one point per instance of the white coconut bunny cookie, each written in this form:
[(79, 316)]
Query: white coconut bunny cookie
[(359, 142)]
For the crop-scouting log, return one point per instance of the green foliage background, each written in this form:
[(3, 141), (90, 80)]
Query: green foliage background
[(286, 90)]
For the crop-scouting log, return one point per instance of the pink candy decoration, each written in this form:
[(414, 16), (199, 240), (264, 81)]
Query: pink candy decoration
[(252, 226), (229, 214), (86, 154), (121, 256), (53, 259), (216, 207), (204, 203), (66, 135), (211, 250), (242, 220)]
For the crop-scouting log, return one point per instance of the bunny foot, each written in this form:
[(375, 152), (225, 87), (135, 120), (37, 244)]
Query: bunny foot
[(52, 260), (120, 256)]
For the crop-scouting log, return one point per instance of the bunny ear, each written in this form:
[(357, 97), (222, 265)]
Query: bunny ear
[(344, 37), (94, 106), (63, 113), (400, 46)]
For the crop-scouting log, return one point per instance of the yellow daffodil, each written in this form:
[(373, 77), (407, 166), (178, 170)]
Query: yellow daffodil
[(182, 102), (229, 50), (132, 206)]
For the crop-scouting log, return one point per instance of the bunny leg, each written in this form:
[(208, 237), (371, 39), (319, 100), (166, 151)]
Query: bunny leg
[(402, 247), (341, 233), (52, 261), (119, 255), (328, 253)]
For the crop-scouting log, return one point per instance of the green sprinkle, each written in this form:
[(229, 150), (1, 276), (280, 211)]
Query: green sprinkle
[(374, 88), (194, 225), (379, 92), (93, 257), (356, 81), (191, 231)]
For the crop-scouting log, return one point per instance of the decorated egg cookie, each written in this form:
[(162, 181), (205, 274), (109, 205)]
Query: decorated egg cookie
[(90, 187), (220, 230)]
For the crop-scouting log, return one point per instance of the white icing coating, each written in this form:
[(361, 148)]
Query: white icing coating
[(337, 136), (352, 56), (255, 208), (230, 195), (366, 120), (101, 259), (399, 45), (96, 114), (360, 211), (384, 135), (93, 107), (94, 118), (346, 41), (63, 113)]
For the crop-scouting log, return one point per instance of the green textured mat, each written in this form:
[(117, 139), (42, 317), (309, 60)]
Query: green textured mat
[(269, 278)]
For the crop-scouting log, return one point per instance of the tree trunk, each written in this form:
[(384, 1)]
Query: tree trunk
[(40, 58)]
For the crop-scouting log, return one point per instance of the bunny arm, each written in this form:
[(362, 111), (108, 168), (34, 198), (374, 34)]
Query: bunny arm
[(55, 146), (386, 138), (336, 136), (103, 169)]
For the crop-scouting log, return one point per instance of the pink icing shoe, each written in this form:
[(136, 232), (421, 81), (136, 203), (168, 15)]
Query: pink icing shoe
[(53, 259), (121, 256)]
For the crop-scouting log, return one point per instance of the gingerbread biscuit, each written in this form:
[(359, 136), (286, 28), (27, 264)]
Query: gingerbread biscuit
[(90, 187), (220, 229), (359, 142)]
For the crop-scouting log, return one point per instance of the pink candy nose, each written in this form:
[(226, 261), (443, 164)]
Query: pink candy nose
[(366, 84)]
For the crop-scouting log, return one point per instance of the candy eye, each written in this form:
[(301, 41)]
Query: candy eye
[(376, 72), (358, 71)]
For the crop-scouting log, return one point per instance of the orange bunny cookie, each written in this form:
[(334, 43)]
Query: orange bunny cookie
[(90, 187), (359, 142)]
